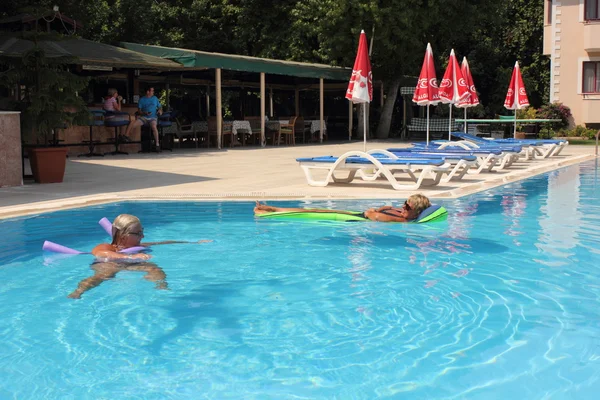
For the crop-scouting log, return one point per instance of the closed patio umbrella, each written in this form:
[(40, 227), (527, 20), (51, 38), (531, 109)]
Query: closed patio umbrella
[(360, 87), (453, 87), (473, 99), (516, 97), (426, 92)]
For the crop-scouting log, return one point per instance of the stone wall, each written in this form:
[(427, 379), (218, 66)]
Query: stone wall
[(11, 167)]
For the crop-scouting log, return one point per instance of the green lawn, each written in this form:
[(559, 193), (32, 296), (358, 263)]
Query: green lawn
[(586, 142)]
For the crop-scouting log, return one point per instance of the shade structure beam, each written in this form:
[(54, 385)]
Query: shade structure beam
[(219, 108), (321, 110), (263, 142)]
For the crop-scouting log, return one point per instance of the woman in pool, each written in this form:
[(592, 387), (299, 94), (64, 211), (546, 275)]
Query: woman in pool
[(127, 231), (409, 211)]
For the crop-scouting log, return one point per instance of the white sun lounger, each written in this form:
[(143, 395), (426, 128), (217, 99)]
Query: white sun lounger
[(459, 163), (420, 171)]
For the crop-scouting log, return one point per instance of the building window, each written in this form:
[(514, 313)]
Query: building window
[(549, 12), (591, 77), (592, 9)]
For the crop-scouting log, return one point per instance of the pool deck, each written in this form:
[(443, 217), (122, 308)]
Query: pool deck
[(237, 174)]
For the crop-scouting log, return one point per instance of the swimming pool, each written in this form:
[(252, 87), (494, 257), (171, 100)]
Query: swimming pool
[(501, 301)]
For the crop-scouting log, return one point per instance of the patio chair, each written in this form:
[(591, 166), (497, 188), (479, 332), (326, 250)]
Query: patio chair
[(369, 168), (213, 132), (255, 125), (289, 130), (183, 131)]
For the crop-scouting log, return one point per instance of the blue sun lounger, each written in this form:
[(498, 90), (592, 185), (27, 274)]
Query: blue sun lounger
[(502, 156), (537, 148), (486, 158), (420, 171)]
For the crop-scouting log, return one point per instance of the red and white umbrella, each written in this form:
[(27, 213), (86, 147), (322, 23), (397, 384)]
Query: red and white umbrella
[(426, 92), (453, 88), (473, 99), (360, 88), (516, 97)]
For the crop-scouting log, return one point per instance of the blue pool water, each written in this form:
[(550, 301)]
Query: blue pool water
[(500, 301)]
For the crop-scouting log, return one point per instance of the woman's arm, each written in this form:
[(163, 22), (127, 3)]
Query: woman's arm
[(374, 215), (117, 103), (173, 242)]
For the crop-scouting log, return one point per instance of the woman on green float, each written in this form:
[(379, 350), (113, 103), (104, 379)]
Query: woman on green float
[(410, 210)]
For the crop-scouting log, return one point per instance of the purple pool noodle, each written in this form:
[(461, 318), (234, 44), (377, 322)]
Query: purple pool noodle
[(106, 225), (135, 249), (57, 248)]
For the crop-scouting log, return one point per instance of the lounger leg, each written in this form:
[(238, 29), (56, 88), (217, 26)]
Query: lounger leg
[(349, 178)]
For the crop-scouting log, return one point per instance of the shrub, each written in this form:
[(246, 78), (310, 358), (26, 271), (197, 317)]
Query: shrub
[(579, 131), (556, 111)]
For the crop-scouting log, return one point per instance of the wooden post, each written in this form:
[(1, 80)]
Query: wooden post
[(168, 95), (350, 119), (200, 103), (271, 102), (321, 108), (263, 142), (382, 96), (207, 101), (219, 110), (297, 101)]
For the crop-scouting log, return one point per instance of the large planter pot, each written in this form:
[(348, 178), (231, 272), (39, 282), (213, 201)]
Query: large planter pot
[(48, 164), (520, 135)]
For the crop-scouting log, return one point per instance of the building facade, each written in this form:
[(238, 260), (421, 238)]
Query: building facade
[(572, 41)]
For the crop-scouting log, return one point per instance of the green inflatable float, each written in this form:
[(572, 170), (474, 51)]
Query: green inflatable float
[(430, 214)]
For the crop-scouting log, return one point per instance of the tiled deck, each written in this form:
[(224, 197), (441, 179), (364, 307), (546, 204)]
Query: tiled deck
[(235, 174)]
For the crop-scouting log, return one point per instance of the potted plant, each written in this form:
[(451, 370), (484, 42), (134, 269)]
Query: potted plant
[(49, 100)]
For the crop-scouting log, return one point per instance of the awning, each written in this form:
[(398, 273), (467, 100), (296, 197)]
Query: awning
[(87, 52), (196, 58)]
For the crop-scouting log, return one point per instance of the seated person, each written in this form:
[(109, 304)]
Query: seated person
[(148, 108), (410, 210), (127, 232), (112, 104)]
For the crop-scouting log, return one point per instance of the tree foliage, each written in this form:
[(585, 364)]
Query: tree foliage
[(492, 34)]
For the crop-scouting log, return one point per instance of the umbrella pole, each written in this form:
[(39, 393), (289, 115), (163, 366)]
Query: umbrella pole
[(515, 128), (466, 127), (427, 124), (365, 127), (450, 124)]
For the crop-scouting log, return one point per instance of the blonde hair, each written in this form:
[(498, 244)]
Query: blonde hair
[(419, 202), (121, 226), (112, 91)]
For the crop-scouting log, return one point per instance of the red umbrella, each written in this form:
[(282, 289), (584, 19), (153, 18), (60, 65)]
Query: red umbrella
[(426, 92), (453, 88), (360, 88), (473, 99), (516, 97)]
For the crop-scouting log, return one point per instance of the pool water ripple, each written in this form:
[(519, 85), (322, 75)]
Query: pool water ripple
[(500, 301)]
